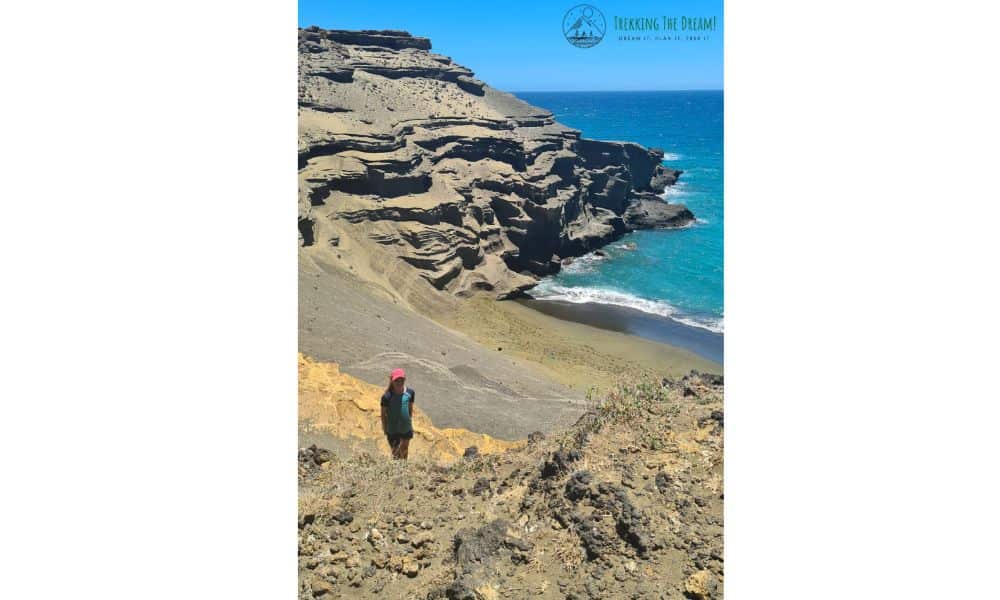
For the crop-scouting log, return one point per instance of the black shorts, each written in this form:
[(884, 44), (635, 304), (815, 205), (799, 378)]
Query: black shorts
[(395, 438)]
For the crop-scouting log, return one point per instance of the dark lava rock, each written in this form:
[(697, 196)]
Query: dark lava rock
[(595, 542), (481, 487), (306, 519), (717, 417), (578, 486), (314, 456), (559, 462), (473, 547), (534, 437), (471, 452), (343, 517), (649, 213), (461, 589), (708, 378), (662, 482), (321, 455), (475, 550), (631, 525), (662, 176)]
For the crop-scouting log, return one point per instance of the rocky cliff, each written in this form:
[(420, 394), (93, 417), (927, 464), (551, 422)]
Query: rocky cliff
[(423, 173)]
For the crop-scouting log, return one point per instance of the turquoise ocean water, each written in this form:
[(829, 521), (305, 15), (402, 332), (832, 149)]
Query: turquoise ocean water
[(675, 274)]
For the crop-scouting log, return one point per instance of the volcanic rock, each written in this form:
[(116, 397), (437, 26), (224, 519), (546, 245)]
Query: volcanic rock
[(434, 176)]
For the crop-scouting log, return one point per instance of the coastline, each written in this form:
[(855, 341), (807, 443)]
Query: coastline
[(419, 208), (345, 317), (579, 355), (706, 344)]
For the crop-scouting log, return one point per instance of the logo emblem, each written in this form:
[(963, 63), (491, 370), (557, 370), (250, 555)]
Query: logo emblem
[(583, 26)]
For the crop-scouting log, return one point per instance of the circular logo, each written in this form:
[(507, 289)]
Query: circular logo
[(583, 26)]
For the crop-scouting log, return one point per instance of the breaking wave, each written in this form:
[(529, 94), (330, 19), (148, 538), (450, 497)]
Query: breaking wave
[(581, 295)]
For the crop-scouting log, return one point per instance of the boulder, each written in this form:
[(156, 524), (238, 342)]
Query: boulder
[(700, 586), (578, 486), (559, 462), (650, 213)]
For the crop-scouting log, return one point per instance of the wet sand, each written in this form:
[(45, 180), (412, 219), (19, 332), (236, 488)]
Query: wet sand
[(575, 354), (704, 343)]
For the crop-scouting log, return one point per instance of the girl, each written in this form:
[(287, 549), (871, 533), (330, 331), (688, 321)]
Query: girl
[(397, 414)]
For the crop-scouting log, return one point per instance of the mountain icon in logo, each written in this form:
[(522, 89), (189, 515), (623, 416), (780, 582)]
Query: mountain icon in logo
[(584, 26)]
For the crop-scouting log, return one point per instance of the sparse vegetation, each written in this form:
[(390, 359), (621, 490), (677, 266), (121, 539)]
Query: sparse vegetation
[(626, 503)]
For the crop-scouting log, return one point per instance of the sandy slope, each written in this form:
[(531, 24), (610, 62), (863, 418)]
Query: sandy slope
[(335, 405), (459, 383)]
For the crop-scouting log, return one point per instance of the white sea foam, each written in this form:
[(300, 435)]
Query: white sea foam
[(671, 156), (583, 264), (673, 191), (692, 224), (583, 295)]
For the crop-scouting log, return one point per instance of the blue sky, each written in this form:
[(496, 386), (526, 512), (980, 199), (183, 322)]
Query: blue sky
[(518, 45)]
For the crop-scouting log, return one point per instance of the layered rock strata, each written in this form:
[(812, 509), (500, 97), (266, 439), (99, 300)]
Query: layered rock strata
[(433, 176)]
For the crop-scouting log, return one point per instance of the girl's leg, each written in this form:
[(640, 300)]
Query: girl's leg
[(404, 448)]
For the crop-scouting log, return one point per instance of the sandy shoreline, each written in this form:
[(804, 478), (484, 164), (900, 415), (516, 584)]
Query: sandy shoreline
[(575, 354), (496, 367), (704, 343)]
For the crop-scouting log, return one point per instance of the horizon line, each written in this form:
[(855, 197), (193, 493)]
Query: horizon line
[(618, 91)]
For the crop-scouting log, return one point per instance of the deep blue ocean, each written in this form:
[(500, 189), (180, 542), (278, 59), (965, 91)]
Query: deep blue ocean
[(676, 274)]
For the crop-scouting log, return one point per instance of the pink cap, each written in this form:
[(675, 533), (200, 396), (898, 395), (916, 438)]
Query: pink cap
[(397, 374)]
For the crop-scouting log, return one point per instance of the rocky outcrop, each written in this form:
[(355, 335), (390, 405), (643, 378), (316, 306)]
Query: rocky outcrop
[(627, 503), (429, 172), (646, 213)]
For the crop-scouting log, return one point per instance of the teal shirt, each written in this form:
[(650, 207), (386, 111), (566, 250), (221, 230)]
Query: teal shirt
[(400, 413)]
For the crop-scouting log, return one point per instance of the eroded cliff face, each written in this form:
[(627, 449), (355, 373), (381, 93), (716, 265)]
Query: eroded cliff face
[(430, 177)]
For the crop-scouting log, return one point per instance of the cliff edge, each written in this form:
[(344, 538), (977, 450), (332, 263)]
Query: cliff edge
[(414, 172)]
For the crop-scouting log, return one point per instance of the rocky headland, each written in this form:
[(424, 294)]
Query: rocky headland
[(429, 180)]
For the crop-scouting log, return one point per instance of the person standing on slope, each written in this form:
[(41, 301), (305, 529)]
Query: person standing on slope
[(397, 414)]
